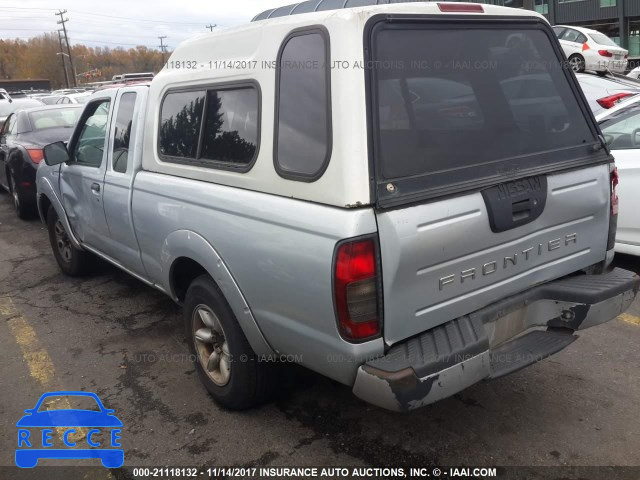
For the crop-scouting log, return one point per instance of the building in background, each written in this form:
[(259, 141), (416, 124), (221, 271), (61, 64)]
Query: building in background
[(618, 19), (18, 85)]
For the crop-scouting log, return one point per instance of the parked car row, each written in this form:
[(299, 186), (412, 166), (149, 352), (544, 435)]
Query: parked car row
[(22, 139), (66, 98)]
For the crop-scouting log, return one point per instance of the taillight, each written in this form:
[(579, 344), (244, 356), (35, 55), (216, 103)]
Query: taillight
[(613, 218), (460, 7), (605, 53), (35, 154), (611, 100), (356, 289)]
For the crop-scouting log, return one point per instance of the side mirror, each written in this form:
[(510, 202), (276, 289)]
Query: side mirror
[(55, 154)]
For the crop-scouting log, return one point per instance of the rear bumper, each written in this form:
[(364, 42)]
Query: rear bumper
[(602, 64), (627, 248), (494, 341)]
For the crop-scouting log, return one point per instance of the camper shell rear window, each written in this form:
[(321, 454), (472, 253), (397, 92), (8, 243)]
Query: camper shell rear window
[(461, 104)]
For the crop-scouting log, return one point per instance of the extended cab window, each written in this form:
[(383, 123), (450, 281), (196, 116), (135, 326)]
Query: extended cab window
[(122, 133), (180, 122), (303, 119), (486, 102), (89, 148)]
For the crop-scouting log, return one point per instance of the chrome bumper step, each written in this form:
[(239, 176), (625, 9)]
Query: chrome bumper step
[(526, 350)]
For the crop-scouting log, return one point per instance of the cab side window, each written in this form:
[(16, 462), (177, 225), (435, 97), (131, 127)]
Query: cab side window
[(581, 39), (303, 110), (571, 35), (89, 147), (122, 132)]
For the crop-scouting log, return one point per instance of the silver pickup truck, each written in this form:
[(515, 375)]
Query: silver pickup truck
[(408, 198)]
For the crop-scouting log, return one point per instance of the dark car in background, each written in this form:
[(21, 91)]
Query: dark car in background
[(22, 137)]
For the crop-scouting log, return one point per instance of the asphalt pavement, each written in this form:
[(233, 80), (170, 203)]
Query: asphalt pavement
[(110, 334)]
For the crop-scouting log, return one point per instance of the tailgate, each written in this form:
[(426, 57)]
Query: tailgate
[(442, 260), (490, 174)]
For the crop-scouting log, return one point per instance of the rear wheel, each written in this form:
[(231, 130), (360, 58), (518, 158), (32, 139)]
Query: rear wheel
[(23, 209), (71, 260), (576, 62), (224, 360)]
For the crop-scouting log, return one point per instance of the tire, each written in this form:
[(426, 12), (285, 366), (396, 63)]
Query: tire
[(576, 62), (71, 260), (224, 360), (24, 211)]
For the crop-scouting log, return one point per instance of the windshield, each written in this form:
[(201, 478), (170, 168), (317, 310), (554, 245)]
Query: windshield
[(622, 129), (602, 39), (469, 103), (54, 118)]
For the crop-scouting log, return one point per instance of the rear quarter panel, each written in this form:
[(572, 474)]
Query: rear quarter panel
[(278, 250)]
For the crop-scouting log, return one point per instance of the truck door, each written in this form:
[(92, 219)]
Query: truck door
[(82, 176), (124, 157)]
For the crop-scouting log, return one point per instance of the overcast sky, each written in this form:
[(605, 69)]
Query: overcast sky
[(126, 23)]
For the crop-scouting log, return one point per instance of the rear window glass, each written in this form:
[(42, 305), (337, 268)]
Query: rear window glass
[(54, 118), (602, 39), (483, 101)]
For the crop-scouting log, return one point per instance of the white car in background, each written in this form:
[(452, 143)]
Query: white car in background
[(74, 98), (621, 128), (635, 73), (588, 49)]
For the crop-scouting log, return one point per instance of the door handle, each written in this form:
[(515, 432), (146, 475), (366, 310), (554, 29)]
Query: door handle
[(95, 187)]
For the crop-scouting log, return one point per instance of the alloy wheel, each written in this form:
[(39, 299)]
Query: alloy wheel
[(62, 241), (577, 65), (211, 345), (14, 193)]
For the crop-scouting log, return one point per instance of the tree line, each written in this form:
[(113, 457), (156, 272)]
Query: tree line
[(36, 58)]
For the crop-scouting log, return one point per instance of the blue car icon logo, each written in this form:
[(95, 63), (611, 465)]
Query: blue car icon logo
[(100, 431)]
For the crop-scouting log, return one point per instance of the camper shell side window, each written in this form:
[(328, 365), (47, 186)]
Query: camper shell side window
[(212, 126), (302, 126)]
